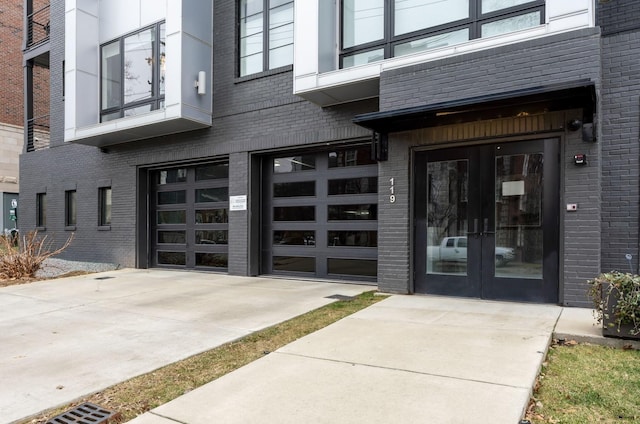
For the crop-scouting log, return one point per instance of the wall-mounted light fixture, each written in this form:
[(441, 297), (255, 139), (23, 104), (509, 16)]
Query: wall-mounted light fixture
[(588, 129), (574, 125), (201, 83)]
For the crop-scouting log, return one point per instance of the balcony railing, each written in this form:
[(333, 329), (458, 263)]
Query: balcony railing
[(38, 137), (38, 26)]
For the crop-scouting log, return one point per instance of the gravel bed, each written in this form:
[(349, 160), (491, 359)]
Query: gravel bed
[(53, 267)]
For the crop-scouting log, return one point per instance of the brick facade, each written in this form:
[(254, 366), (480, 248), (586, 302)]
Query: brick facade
[(258, 115), (11, 30)]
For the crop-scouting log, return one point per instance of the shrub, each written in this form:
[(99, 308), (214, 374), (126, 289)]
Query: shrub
[(620, 292), (25, 260)]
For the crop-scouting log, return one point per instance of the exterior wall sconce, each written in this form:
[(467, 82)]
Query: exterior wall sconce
[(588, 129), (201, 83), (574, 125)]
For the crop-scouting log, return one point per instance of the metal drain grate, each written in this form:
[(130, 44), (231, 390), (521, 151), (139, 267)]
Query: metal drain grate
[(87, 413), (104, 278), (340, 297)]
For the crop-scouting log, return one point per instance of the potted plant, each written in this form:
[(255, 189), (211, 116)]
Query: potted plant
[(616, 298)]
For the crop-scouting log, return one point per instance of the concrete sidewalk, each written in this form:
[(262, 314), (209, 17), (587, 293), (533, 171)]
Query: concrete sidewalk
[(407, 359), (62, 339)]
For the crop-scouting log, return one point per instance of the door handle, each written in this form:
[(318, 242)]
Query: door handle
[(475, 228), (486, 227)]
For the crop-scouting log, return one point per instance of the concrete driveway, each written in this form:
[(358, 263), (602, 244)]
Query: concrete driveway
[(62, 339)]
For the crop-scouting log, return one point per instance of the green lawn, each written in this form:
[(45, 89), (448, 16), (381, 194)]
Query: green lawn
[(588, 384)]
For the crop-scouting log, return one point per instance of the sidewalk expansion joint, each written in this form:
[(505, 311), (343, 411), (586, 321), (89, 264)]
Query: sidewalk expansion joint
[(404, 370), (167, 418)]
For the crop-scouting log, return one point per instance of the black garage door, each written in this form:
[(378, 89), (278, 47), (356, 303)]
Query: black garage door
[(189, 216), (320, 214)]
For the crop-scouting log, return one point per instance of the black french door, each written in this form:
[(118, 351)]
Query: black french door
[(487, 221)]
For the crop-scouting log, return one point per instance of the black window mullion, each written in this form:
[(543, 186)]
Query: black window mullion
[(473, 22), (265, 35), (389, 26)]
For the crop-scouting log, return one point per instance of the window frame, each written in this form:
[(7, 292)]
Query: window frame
[(473, 23), (105, 206), (70, 209), (156, 98), (265, 38)]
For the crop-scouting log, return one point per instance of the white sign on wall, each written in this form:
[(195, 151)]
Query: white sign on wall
[(238, 203)]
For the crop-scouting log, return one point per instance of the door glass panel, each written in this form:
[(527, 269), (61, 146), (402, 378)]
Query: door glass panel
[(294, 213), (212, 216), (294, 164), (519, 217), (172, 237), (211, 237), (219, 194), (172, 217), (447, 189), (172, 197), (295, 238), (295, 189), (364, 267), (354, 156), (362, 185), (351, 212), (353, 238), (212, 172), (294, 264), (178, 175), (218, 260), (172, 258)]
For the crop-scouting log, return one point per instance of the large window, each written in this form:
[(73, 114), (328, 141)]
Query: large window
[(266, 35), (132, 74), (374, 30)]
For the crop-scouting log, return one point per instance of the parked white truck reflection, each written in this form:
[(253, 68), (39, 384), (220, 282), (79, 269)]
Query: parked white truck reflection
[(453, 250)]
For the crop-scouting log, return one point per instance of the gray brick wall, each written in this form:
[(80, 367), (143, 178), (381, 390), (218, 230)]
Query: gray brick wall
[(616, 16), (394, 235), (581, 229), (560, 58), (251, 114), (620, 149), (563, 58)]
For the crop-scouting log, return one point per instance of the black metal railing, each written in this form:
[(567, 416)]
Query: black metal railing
[(38, 137), (38, 26)]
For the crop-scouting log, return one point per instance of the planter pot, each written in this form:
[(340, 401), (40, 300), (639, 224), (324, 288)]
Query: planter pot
[(609, 328)]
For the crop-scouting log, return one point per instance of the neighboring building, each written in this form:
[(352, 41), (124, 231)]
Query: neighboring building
[(11, 116), (481, 148)]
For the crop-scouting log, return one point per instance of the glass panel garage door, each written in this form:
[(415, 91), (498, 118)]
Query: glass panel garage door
[(321, 214), (189, 217)]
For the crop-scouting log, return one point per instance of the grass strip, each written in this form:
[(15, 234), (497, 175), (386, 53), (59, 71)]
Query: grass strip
[(145, 392), (585, 383)]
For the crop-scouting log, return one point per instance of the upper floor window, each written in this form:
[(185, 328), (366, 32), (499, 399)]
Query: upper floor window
[(374, 30), (266, 35), (132, 73)]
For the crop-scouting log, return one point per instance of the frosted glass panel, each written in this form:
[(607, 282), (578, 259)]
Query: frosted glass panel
[(423, 44), (363, 58), (515, 23), (362, 22), (493, 5), (413, 15)]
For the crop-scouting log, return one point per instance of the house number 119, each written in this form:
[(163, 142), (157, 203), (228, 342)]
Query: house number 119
[(392, 190)]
